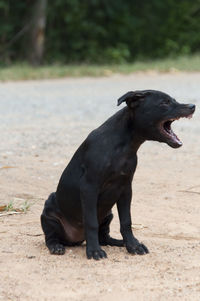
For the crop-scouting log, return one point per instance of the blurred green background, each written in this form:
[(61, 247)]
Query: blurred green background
[(97, 31)]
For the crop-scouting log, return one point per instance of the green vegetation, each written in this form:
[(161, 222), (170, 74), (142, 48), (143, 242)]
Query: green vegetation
[(23, 208), (9, 206), (26, 72), (101, 31)]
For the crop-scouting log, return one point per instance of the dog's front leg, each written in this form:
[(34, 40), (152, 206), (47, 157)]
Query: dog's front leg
[(89, 195), (124, 205)]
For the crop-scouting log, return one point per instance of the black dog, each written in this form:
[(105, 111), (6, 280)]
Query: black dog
[(100, 174)]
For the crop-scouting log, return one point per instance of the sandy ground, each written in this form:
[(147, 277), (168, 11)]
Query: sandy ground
[(42, 124)]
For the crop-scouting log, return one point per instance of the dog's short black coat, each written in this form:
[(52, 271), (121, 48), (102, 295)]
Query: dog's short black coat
[(100, 174)]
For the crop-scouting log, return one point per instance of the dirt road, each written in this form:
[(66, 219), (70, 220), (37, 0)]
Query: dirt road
[(42, 124)]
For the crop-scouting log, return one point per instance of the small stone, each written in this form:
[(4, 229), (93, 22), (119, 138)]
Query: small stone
[(30, 256)]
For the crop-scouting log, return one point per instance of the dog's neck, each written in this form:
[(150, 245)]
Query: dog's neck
[(137, 142), (135, 139)]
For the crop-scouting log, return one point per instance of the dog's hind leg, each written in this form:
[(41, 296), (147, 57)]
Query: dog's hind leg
[(52, 227), (104, 230)]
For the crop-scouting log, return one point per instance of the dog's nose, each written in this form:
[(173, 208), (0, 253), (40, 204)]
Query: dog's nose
[(191, 107)]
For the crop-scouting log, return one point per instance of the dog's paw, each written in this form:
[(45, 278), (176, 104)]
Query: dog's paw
[(96, 254), (57, 249), (138, 248)]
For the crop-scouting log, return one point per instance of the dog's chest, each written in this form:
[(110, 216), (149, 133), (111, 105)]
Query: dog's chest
[(120, 172), (125, 166)]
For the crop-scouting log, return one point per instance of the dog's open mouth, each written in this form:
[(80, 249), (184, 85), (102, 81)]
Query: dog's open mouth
[(166, 130)]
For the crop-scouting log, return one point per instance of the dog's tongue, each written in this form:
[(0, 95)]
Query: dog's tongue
[(175, 138)]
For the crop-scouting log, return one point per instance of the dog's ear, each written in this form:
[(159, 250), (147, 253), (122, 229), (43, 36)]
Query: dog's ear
[(132, 98)]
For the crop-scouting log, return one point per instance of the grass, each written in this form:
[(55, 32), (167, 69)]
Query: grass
[(23, 207), (9, 206), (26, 72)]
